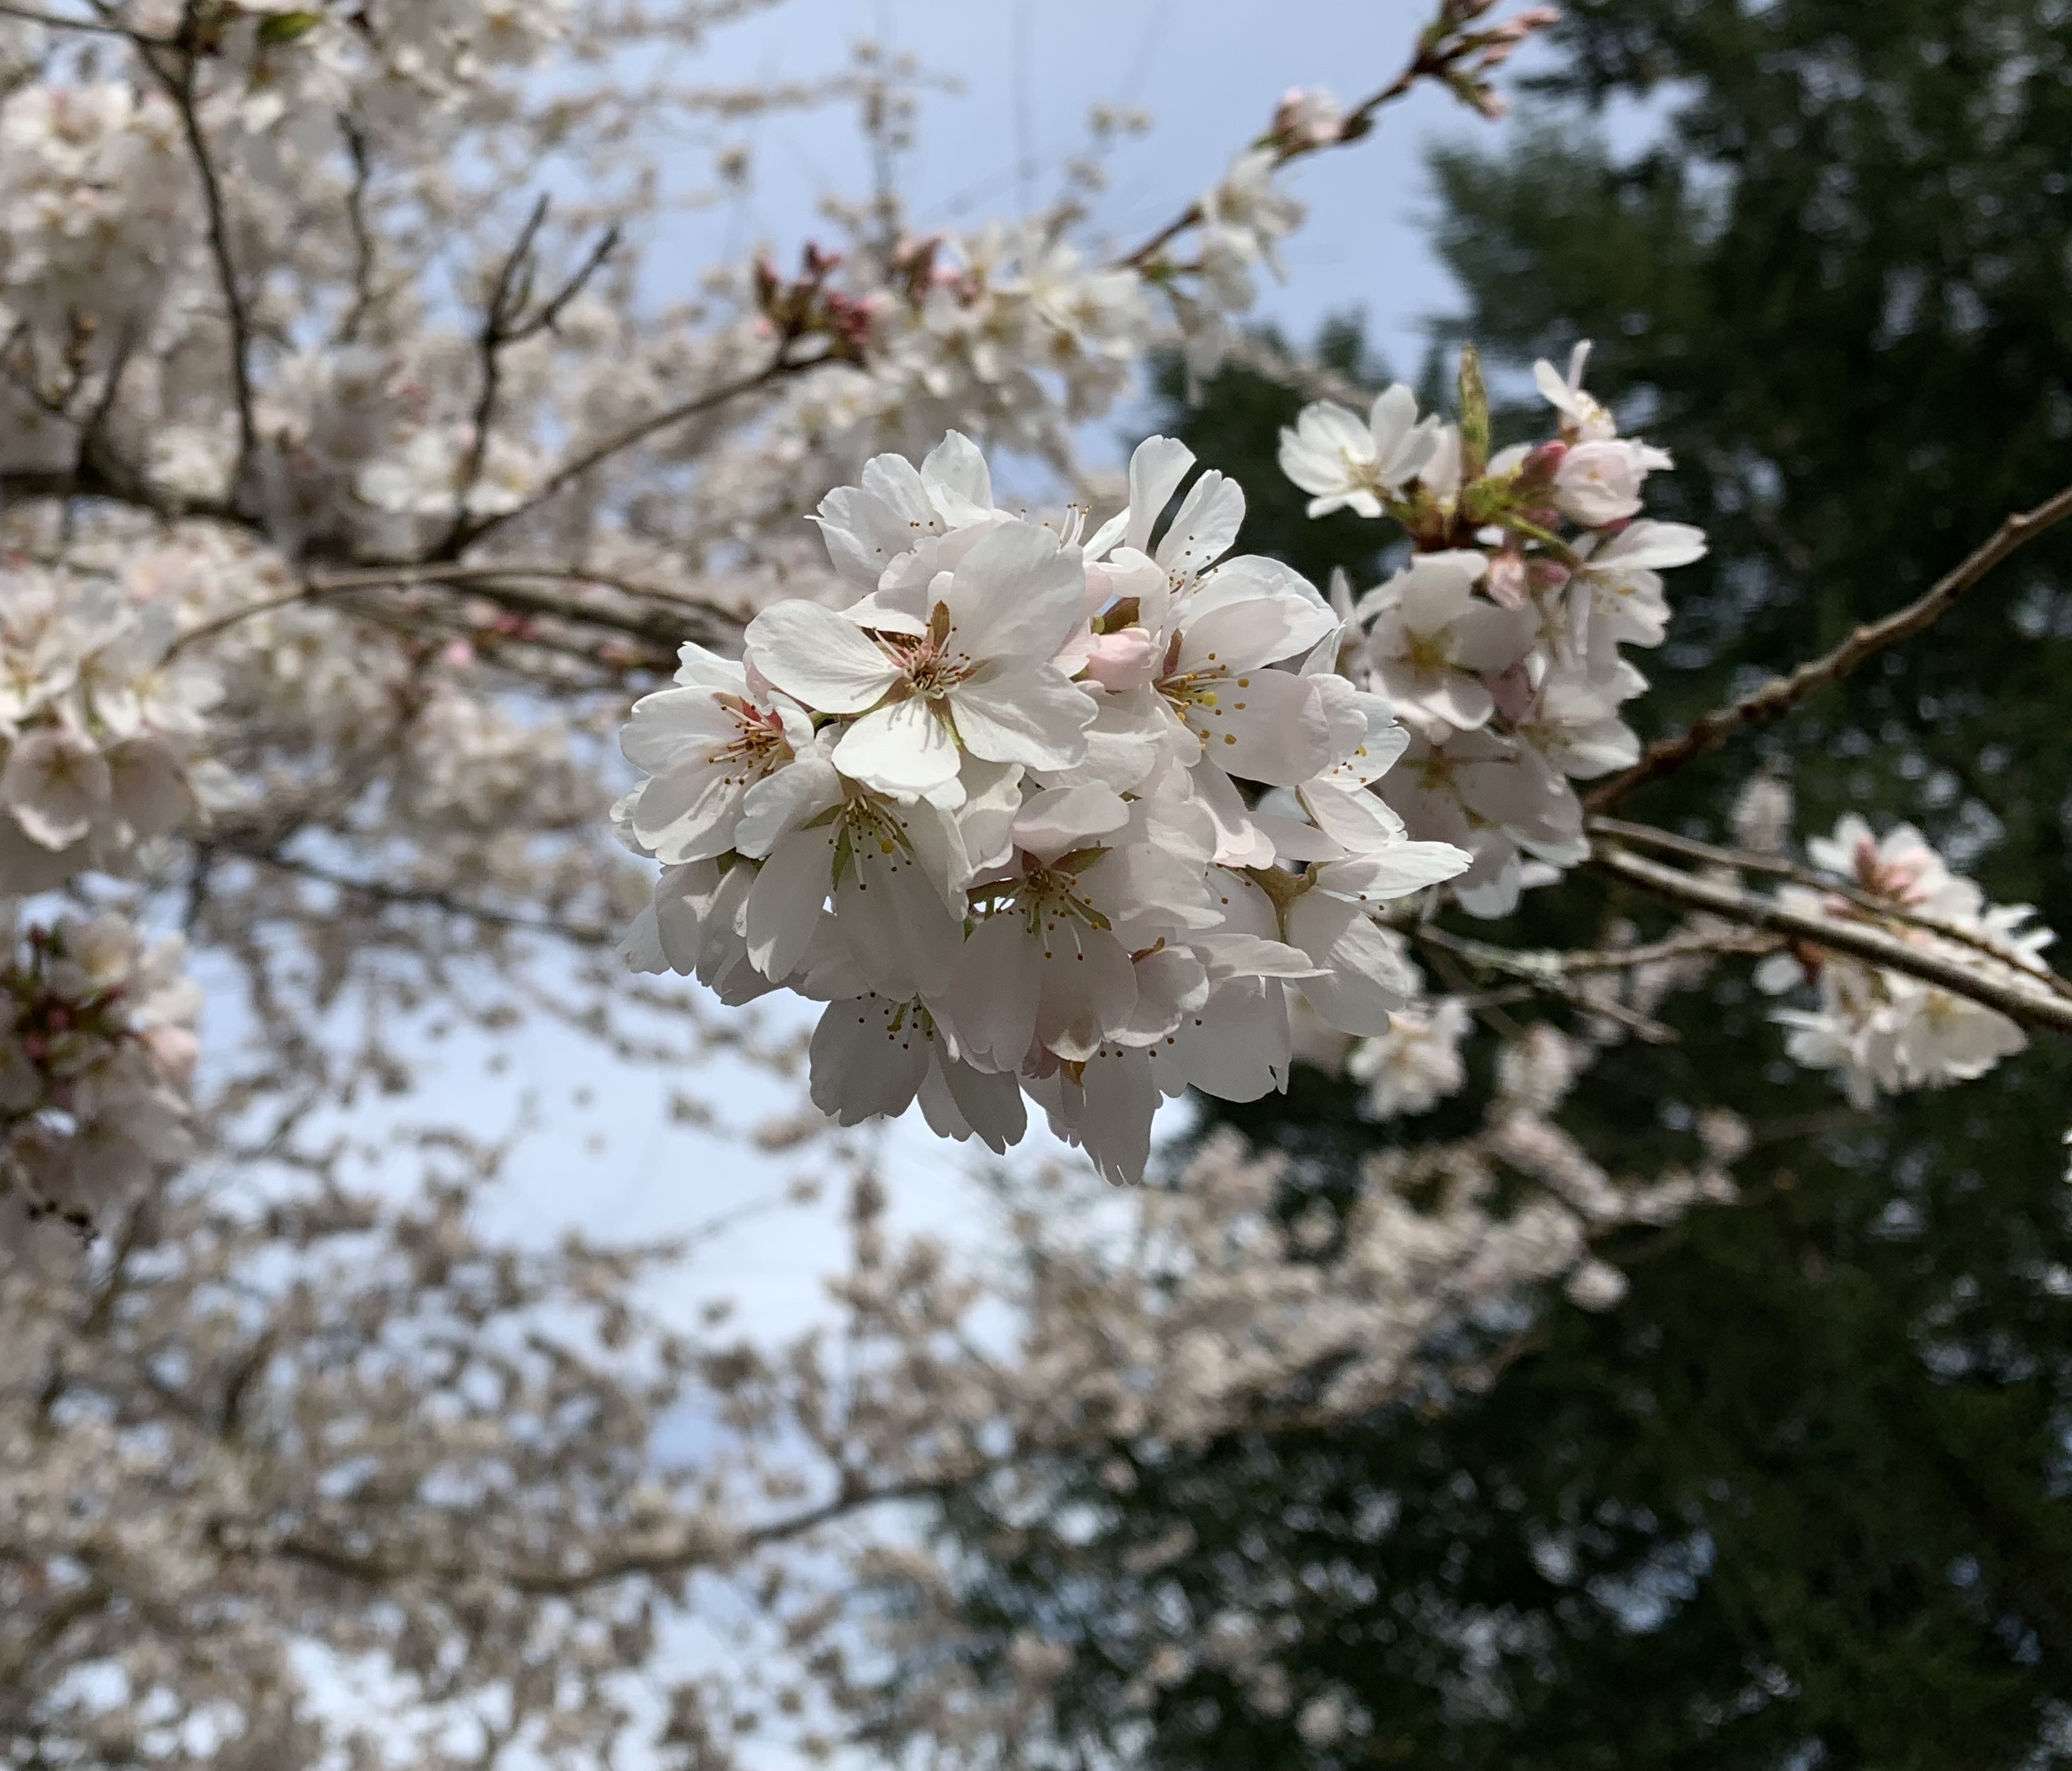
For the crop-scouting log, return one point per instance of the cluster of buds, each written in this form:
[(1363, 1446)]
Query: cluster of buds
[(1465, 59), (813, 321)]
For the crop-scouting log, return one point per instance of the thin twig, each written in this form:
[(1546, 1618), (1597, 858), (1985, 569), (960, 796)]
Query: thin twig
[(180, 88), (1747, 861), (1550, 974), (363, 236), (1359, 121), (506, 300), (29, 15), (1877, 946), (1666, 756), (427, 898), (634, 435), (708, 619)]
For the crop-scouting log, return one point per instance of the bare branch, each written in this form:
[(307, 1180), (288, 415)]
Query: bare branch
[(1666, 756), (51, 21), (2016, 1000), (675, 618), (180, 87), (426, 897), (1559, 975), (598, 453), (1443, 51), (363, 237)]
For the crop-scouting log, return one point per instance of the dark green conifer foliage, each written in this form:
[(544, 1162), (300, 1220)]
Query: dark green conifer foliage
[(1806, 1497)]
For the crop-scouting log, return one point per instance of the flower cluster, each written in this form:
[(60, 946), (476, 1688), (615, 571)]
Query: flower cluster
[(1498, 643), (96, 1051), (1885, 1032), (1039, 811), (97, 726), (93, 204)]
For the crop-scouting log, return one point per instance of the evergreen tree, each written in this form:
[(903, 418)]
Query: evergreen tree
[(1803, 1498)]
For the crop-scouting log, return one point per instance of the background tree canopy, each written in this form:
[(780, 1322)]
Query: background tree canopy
[(1803, 1498)]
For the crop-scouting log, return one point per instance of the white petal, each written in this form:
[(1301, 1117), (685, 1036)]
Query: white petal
[(1270, 726), (1059, 819), (990, 1006), (1025, 713), (1088, 986), (1156, 469), (961, 1102), (819, 659), (794, 794), (1367, 978), (1395, 872), (904, 750), (784, 903), (1238, 1046), (959, 482), (1016, 594), (868, 1058), (1204, 528)]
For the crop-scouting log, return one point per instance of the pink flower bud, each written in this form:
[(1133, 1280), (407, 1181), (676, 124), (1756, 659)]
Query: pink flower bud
[(1122, 660)]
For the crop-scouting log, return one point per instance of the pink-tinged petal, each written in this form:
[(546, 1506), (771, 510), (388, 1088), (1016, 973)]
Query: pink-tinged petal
[(819, 659), (905, 750), (1025, 713), (1268, 726)]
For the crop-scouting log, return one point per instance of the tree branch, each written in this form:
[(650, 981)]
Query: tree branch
[(601, 453), (1876, 946), (180, 88), (1746, 861), (51, 21), (1666, 756)]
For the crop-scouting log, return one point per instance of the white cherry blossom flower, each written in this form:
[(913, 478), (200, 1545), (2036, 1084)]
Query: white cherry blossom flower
[(1350, 465), (1433, 641)]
